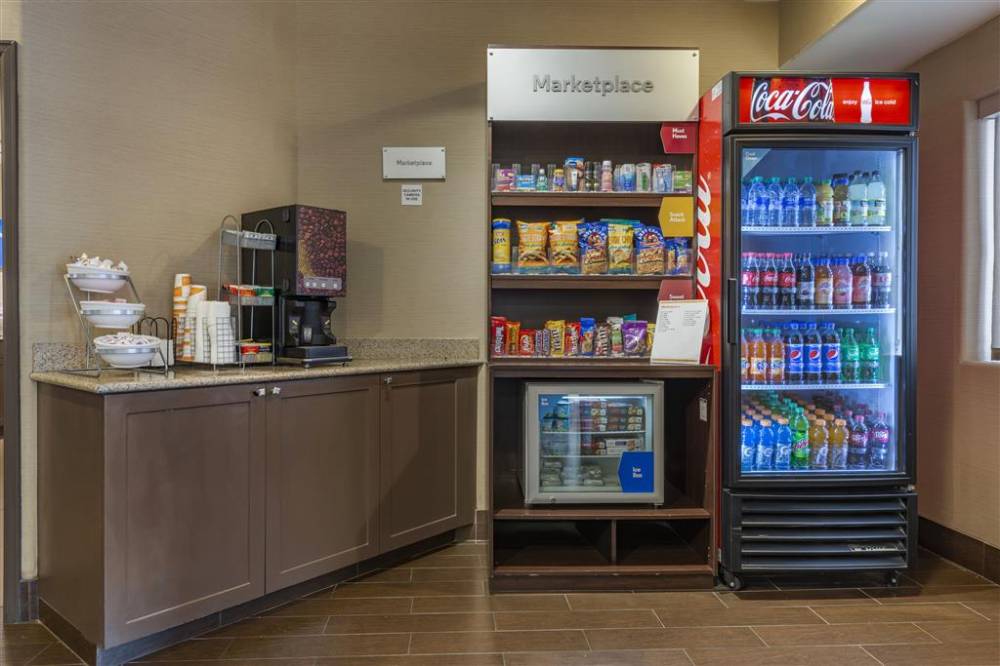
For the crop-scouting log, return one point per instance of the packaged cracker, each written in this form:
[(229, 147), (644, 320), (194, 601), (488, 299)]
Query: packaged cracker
[(564, 248), (593, 248), (571, 346), (634, 336), (649, 250), (587, 331), (501, 245), (497, 328), (557, 331), (526, 343), (512, 336), (617, 342), (683, 254), (620, 247), (532, 239), (602, 340)]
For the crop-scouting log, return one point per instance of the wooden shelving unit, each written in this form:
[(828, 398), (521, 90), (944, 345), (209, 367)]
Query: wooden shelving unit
[(594, 547)]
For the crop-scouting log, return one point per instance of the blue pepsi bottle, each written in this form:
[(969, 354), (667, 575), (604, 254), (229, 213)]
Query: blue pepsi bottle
[(782, 445), (748, 446), (794, 357), (765, 447), (812, 348)]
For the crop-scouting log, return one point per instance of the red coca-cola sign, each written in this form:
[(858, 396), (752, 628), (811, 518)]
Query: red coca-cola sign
[(811, 100)]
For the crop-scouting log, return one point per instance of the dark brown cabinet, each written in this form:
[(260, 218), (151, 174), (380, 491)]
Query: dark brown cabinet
[(428, 468), (322, 477), (163, 507)]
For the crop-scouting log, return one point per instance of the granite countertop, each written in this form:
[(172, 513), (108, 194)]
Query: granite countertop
[(128, 381)]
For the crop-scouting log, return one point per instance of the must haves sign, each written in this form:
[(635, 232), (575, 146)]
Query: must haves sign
[(591, 84)]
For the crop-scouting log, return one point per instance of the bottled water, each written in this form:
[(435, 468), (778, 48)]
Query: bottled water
[(757, 202), (790, 204), (876, 200), (745, 203), (774, 198), (807, 203)]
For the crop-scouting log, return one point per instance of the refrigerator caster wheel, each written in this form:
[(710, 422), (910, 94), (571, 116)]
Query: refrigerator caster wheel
[(732, 581), (892, 579)]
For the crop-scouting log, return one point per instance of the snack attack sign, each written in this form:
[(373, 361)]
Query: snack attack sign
[(814, 100), (532, 84)]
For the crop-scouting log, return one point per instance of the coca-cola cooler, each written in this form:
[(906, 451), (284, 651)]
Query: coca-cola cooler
[(807, 255)]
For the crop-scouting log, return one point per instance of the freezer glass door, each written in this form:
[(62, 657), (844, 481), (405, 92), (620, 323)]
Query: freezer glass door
[(598, 445), (822, 333)]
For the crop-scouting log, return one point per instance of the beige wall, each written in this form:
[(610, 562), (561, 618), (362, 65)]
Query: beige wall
[(421, 81), (802, 22), (958, 426), (142, 124)]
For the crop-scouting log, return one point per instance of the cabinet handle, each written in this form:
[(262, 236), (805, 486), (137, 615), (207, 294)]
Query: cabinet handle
[(260, 393), (275, 390), (387, 380)]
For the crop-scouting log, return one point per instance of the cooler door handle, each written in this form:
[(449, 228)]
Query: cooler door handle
[(733, 310)]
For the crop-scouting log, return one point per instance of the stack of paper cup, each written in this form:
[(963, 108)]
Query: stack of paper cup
[(182, 291)]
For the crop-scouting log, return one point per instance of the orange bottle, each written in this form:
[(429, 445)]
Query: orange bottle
[(838, 444), (818, 444), (775, 358), (744, 358), (758, 358)]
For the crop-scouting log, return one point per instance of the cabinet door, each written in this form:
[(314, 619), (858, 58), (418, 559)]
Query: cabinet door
[(322, 477), (184, 506), (428, 443)]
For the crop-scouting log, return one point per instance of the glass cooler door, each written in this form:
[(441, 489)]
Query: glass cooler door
[(822, 337), (594, 443)]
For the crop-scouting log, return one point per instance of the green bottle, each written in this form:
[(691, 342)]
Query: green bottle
[(850, 352), (800, 440)]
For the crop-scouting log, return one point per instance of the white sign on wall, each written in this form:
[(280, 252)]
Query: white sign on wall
[(413, 163), (591, 84), (411, 195)]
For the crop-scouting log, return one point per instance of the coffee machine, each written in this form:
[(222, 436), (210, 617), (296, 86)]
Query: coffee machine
[(310, 271)]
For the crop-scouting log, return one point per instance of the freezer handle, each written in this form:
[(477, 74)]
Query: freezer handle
[(732, 318)]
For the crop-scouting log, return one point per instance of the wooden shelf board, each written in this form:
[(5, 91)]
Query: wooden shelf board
[(618, 199), (649, 282), (601, 570), (674, 513)]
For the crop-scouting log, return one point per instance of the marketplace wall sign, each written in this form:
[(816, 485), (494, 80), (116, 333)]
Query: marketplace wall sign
[(591, 84)]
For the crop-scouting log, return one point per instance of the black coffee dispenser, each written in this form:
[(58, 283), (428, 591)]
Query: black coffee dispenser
[(310, 271)]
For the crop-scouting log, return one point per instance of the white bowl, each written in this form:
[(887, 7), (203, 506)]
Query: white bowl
[(108, 314), (128, 356), (98, 281)]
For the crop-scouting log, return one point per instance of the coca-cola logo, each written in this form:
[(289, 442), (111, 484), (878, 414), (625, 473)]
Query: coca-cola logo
[(704, 239), (792, 100)]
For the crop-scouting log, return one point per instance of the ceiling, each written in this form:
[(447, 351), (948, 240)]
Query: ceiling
[(886, 35)]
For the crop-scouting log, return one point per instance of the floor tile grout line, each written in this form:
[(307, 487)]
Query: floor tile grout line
[(933, 637), (586, 639), (721, 600), (688, 656), (759, 637), (816, 613), (865, 650), (409, 643), (966, 605)]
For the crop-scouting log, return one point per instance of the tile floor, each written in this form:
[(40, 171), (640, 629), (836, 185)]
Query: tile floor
[(434, 611)]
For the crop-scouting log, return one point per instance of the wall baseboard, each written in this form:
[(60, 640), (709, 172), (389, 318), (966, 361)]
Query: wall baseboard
[(974, 555)]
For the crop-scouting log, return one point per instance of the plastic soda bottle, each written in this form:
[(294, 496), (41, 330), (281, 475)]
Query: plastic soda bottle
[(812, 347), (850, 357), (775, 357), (876, 200), (758, 202), (775, 194), (881, 282), (758, 358), (748, 445), (800, 440), (819, 446), (857, 448), (838, 445), (841, 201), (861, 275), (750, 280), (870, 357), (857, 192), (824, 284), (765, 447), (744, 202), (831, 354), (744, 357), (843, 283), (790, 204), (807, 203), (782, 445), (805, 283), (878, 443), (794, 362), (824, 203), (768, 295), (787, 291)]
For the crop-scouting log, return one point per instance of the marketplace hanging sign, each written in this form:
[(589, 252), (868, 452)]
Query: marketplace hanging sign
[(622, 85)]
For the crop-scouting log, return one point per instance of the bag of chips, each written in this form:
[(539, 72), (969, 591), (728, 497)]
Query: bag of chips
[(593, 248), (649, 250), (532, 239), (620, 247), (587, 331), (634, 335), (564, 248)]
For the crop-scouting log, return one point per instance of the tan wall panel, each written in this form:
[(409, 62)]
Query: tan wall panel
[(405, 73), (802, 22), (142, 124), (958, 421)]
